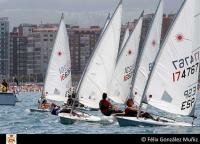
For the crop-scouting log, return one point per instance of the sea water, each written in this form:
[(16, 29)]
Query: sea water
[(18, 119)]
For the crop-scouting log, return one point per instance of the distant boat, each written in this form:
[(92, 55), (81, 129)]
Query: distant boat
[(8, 98), (98, 73), (120, 87), (58, 77), (172, 82)]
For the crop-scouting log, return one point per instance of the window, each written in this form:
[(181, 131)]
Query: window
[(45, 39)]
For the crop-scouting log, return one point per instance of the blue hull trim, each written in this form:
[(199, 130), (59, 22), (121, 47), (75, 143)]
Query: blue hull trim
[(124, 122)]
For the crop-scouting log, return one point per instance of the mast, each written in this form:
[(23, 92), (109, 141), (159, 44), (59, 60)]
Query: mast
[(155, 61)]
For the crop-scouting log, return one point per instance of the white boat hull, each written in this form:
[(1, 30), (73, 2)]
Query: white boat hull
[(39, 110), (8, 98), (67, 118), (134, 121)]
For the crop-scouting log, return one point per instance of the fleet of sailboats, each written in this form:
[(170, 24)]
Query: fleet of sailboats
[(97, 75), (164, 75), (172, 82)]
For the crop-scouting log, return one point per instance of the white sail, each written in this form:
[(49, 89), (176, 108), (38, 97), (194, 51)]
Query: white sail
[(58, 76), (172, 85), (121, 82), (98, 73), (150, 49), (125, 38)]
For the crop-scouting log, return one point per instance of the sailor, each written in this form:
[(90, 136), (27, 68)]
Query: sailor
[(106, 107), (69, 101), (55, 109), (5, 86), (65, 108), (42, 103), (74, 99), (132, 110)]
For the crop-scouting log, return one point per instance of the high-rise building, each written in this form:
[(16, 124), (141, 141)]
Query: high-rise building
[(42, 41), (30, 50), (82, 42), (4, 47), (18, 56), (19, 51)]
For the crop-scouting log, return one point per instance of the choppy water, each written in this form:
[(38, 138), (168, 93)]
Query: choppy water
[(18, 119)]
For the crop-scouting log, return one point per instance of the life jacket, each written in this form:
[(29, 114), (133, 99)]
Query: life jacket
[(130, 112), (104, 104), (55, 111), (105, 107)]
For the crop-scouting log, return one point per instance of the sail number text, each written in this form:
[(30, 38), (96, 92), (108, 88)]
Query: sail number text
[(128, 73), (189, 94), (186, 67), (187, 104)]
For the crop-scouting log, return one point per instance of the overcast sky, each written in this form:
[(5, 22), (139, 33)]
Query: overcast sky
[(77, 12)]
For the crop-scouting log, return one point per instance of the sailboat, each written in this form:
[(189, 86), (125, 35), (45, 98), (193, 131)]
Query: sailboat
[(172, 82), (97, 75), (58, 77), (8, 98), (125, 65), (102, 31), (150, 49)]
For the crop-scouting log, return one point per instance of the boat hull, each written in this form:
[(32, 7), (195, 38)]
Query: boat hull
[(8, 98), (133, 121), (67, 118), (39, 110), (88, 109)]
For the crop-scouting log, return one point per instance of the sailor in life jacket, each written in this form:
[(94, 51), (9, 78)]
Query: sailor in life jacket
[(42, 102), (106, 107), (132, 110), (55, 109)]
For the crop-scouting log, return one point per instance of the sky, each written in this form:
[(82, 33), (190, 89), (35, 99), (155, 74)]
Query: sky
[(77, 12)]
